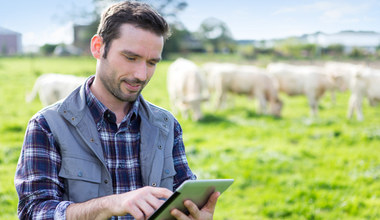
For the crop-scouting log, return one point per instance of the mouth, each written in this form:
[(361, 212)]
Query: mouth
[(132, 87)]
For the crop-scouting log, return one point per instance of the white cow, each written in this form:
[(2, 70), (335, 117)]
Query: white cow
[(341, 74), (365, 83), (310, 81), (186, 88), (212, 70), (52, 87), (247, 80)]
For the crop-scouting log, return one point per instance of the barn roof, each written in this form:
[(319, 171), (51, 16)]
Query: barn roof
[(7, 31)]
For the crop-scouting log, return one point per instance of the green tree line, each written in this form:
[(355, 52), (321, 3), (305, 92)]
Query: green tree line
[(213, 36)]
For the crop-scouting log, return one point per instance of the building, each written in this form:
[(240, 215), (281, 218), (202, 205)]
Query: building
[(10, 42), (83, 35), (366, 40)]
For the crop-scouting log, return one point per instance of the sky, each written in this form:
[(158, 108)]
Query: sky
[(50, 21)]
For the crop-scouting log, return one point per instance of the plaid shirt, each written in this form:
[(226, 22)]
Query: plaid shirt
[(38, 185)]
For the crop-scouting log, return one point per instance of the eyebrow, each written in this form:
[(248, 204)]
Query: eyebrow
[(130, 53)]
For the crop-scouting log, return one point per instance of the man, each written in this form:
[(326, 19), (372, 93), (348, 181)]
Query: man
[(104, 151)]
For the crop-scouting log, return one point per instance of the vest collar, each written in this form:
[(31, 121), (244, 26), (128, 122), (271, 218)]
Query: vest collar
[(73, 109)]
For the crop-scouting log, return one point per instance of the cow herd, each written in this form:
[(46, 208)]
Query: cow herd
[(52, 87), (189, 85)]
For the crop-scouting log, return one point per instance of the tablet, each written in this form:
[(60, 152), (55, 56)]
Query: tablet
[(197, 191)]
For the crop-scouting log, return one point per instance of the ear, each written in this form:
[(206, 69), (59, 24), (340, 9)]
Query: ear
[(96, 46)]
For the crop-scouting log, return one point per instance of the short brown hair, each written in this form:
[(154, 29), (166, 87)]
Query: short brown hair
[(131, 12)]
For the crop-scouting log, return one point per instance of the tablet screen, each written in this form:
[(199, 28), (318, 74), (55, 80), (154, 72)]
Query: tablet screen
[(197, 191)]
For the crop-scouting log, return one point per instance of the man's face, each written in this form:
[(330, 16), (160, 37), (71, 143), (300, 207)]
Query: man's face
[(130, 63)]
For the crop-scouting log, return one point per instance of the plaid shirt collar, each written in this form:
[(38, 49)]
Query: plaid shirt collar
[(101, 113)]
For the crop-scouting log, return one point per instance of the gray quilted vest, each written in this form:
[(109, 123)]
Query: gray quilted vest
[(83, 167)]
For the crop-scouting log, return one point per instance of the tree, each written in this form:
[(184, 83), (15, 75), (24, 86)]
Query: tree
[(48, 49), (377, 52), (334, 50), (167, 8), (295, 48), (357, 53), (173, 44), (216, 35)]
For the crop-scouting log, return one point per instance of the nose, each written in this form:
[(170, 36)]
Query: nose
[(141, 71)]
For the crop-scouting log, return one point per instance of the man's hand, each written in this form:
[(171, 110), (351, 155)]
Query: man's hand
[(205, 213), (140, 203)]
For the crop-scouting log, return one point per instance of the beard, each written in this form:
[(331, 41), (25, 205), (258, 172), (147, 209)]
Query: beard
[(115, 87)]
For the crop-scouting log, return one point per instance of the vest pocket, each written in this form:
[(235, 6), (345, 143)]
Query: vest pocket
[(82, 178), (168, 174)]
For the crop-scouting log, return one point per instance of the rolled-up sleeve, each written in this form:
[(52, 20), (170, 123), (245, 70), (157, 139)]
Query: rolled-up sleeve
[(39, 188)]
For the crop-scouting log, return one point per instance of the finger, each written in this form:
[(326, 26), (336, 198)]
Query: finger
[(145, 207), (161, 192), (211, 203), (145, 212), (178, 214), (154, 202), (155, 208), (137, 213), (192, 208)]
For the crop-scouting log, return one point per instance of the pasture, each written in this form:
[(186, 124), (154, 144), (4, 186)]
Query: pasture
[(294, 167)]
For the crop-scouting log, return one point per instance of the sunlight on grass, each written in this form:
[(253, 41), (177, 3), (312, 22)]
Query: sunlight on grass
[(293, 167)]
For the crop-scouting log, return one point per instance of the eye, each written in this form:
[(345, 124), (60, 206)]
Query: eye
[(130, 58), (152, 63)]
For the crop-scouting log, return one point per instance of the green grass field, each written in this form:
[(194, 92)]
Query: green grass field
[(294, 167)]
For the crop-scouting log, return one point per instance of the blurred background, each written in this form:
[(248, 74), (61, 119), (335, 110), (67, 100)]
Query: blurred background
[(252, 29), (297, 166)]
